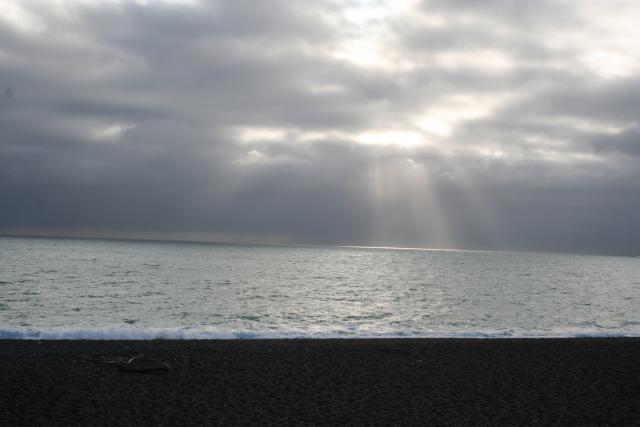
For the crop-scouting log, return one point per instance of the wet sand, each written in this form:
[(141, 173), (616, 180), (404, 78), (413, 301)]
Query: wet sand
[(385, 381)]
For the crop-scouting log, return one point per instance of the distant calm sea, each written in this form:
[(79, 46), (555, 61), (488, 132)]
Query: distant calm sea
[(77, 289)]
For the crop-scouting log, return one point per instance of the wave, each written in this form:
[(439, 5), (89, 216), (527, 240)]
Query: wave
[(209, 333)]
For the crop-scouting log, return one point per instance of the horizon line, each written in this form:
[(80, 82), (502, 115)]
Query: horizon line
[(147, 237)]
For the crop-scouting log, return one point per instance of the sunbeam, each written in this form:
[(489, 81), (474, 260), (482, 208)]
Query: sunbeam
[(404, 202)]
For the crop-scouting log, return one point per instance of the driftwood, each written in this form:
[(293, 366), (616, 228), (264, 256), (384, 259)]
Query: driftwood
[(137, 364)]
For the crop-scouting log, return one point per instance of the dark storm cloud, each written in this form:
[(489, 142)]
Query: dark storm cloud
[(275, 118)]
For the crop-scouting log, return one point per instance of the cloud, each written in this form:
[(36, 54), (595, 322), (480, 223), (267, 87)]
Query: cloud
[(457, 124)]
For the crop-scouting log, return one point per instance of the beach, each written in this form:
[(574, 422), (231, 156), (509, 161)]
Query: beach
[(330, 381)]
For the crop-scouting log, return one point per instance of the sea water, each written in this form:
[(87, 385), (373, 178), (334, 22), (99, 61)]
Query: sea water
[(100, 289)]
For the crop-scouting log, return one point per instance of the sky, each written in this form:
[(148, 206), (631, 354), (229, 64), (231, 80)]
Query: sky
[(494, 124)]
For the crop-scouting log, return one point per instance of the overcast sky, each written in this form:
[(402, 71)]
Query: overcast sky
[(464, 124)]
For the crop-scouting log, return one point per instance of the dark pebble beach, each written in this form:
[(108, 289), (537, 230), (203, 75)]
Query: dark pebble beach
[(327, 382)]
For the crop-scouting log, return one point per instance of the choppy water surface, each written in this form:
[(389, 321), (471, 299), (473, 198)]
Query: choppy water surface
[(59, 288)]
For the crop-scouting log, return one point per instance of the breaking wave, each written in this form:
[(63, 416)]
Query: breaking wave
[(209, 333)]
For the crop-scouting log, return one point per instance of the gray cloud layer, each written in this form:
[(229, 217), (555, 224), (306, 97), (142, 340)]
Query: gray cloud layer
[(464, 124)]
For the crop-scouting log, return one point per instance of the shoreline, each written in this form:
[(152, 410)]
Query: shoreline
[(322, 381), (182, 333)]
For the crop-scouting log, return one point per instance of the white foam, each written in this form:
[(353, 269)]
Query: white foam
[(205, 333)]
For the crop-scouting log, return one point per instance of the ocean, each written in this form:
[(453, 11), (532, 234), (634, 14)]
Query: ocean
[(102, 289)]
